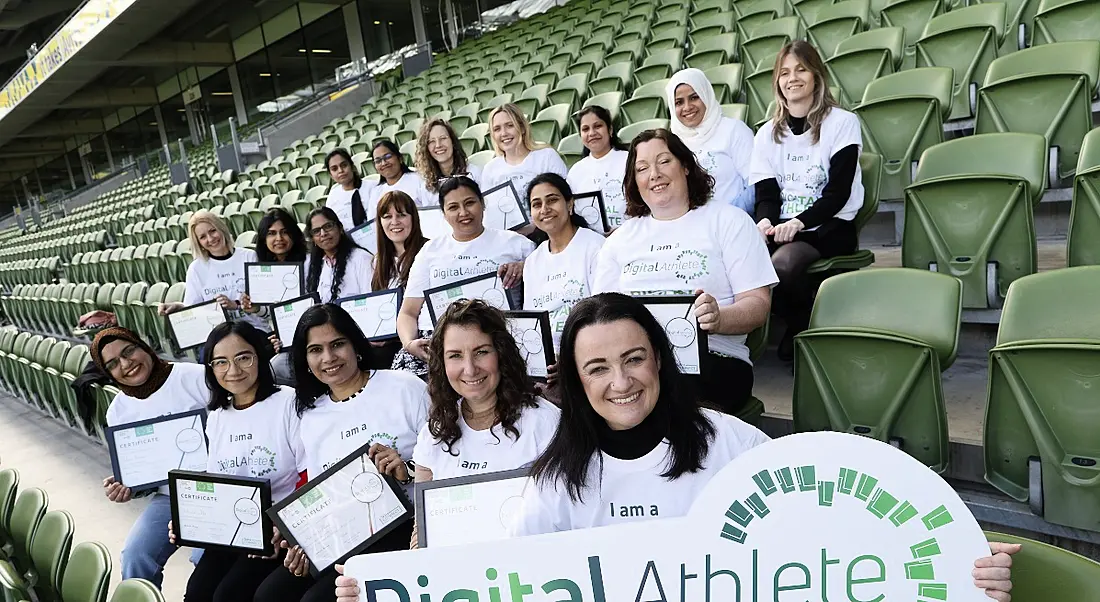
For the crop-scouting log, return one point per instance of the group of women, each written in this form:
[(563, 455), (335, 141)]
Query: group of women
[(698, 210)]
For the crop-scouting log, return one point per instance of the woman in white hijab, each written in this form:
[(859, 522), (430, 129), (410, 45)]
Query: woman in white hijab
[(723, 146)]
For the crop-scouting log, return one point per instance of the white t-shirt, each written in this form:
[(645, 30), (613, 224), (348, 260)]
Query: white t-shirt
[(411, 184), (499, 171), (802, 167), (605, 174), (472, 171), (259, 441), (490, 450), (208, 278), (390, 410), (445, 260), (633, 490), (184, 390), (556, 282), (356, 280), (339, 200), (726, 157), (716, 248)]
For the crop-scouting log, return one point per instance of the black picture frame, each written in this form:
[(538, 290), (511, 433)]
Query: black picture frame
[(262, 485), (314, 482), (603, 223), (172, 327), (543, 318), (701, 337), (248, 287), (436, 289), (287, 343), (400, 297), (520, 204), (422, 488), (110, 436)]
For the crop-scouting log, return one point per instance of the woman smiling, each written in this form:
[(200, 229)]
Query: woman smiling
[(336, 266), (399, 240), (604, 164), (350, 195), (439, 155), (519, 157), (395, 175)]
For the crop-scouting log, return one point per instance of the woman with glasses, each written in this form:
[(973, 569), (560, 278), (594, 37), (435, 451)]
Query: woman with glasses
[(336, 266), (253, 431), (439, 155), (519, 156), (604, 162), (471, 250), (337, 389), (395, 175), (350, 196), (150, 387)]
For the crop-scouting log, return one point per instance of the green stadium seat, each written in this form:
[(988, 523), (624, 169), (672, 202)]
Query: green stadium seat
[(737, 111), (1066, 21), (648, 102), (9, 485), (533, 99), (758, 90), (518, 83), (1040, 420), (87, 574), (27, 514), (1083, 239), (1045, 90), (715, 20), (137, 590), (629, 132), (1039, 569), (616, 77), (571, 149), (659, 65), (966, 40), (726, 81), (612, 101), (482, 158), (836, 23), (768, 38), (174, 294), (569, 91), (475, 138), (871, 361), (712, 51), (969, 213), (902, 115), (911, 16), (49, 554), (808, 9), (551, 123)]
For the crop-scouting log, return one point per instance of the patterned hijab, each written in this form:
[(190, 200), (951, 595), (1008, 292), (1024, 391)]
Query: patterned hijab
[(161, 368)]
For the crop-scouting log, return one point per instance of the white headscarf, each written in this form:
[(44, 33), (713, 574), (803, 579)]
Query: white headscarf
[(698, 136)]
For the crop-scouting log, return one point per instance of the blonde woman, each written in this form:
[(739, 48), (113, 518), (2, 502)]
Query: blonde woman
[(439, 155), (519, 158), (805, 169), (217, 272), (722, 145)]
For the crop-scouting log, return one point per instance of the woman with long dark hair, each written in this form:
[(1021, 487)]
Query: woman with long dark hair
[(279, 239), (350, 194), (682, 243), (150, 387), (560, 271), (604, 164), (336, 266), (809, 188), (439, 155), (399, 240), (395, 175), (248, 412), (337, 388)]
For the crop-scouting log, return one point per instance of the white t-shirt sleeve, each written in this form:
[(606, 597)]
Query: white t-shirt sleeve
[(763, 151), (741, 146), (521, 246), (424, 453), (748, 263), (418, 276), (847, 132), (294, 436), (605, 277), (553, 163), (536, 516), (192, 294)]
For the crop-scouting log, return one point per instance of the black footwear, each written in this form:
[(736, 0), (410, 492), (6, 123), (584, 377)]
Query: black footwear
[(786, 346)]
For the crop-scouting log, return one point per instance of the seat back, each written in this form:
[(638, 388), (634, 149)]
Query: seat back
[(1040, 568), (9, 485), (966, 40), (30, 506), (137, 590), (838, 22), (902, 115), (1082, 247), (1040, 420), (969, 212), (50, 549), (911, 16), (1065, 21), (1045, 90), (87, 573)]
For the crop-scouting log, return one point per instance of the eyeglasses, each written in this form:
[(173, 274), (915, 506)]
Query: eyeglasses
[(127, 352), (383, 158), (325, 227), (243, 361)]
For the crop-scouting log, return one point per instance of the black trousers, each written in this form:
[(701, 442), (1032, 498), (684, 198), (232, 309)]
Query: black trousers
[(282, 586), (725, 384), (793, 298), (222, 576)]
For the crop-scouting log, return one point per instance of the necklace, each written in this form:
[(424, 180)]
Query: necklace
[(352, 396)]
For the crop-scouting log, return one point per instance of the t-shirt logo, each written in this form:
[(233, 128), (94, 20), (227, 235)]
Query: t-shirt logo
[(816, 179), (261, 461), (691, 264)]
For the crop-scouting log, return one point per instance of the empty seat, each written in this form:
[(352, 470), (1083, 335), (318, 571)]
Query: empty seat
[(871, 361), (1066, 20), (551, 123), (712, 50), (969, 213), (1040, 420), (648, 102), (768, 38), (836, 23), (1083, 240), (911, 16), (659, 65), (966, 40)]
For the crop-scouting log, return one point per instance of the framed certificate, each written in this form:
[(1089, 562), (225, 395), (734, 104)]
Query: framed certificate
[(531, 329), (221, 511), (143, 452), (375, 313), (364, 236), (285, 316), (465, 510), (191, 326), (341, 512), (432, 222), (270, 283), (487, 287), (503, 208), (677, 315), (589, 205)]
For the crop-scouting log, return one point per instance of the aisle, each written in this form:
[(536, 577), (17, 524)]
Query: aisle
[(71, 469)]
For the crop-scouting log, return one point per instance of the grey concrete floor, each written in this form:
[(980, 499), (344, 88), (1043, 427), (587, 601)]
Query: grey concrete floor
[(71, 468)]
